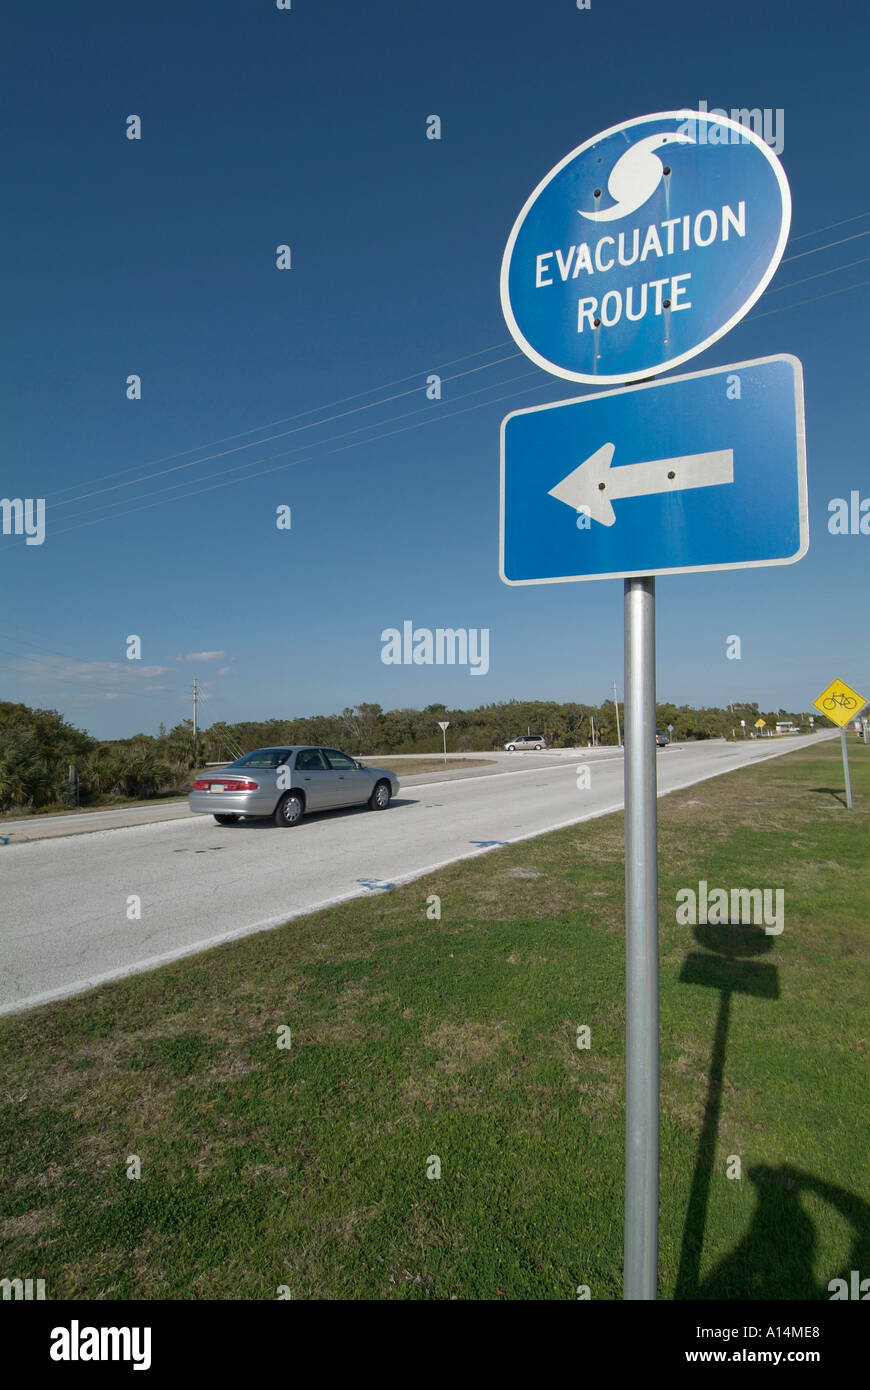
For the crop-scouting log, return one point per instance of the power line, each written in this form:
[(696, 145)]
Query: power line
[(438, 415), (828, 244), (280, 435), (434, 412), (833, 271), (300, 415), (371, 405), (267, 439), (539, 386), (830, 227), (857, 286), (431, 410), (368, 391)]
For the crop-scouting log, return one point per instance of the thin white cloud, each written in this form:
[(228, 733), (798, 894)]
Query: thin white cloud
[(55, 670), (204, 656), (226, 671)]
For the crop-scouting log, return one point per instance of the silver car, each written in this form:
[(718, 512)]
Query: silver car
[(535, 741), (285, 783)]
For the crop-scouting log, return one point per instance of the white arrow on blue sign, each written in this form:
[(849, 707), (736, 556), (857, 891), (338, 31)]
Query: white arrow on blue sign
[(643, 246), (699, 472)]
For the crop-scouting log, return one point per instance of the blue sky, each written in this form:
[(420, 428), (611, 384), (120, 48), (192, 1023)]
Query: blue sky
[(308, 128)]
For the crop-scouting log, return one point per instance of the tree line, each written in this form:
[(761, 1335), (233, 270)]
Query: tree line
[(38, 747)]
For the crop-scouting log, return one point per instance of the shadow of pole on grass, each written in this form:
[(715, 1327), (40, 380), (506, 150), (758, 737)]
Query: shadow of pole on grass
[(732, 971), (831, 791)]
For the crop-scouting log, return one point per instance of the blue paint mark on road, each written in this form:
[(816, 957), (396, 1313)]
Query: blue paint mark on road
[(376, 885)]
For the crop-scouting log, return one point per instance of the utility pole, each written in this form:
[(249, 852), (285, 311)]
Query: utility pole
[(195, 697), (616, 704)]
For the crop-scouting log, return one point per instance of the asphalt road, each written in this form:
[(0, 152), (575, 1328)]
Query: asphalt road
[(64, 901)]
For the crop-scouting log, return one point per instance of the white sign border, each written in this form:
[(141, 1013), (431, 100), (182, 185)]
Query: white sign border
[(803, 504), (613, 379)]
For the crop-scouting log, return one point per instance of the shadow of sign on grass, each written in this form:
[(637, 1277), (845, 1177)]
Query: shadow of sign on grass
[(836, 793), (775, 1259)]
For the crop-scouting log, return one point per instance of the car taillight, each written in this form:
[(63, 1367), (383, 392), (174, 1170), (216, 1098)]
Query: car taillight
[(204, 786)]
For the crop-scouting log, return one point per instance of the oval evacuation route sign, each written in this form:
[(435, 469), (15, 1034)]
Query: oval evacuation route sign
[(644, 246)]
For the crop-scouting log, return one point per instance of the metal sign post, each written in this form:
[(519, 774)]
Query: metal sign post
[(444, 725), (846, 770), (641, 946)]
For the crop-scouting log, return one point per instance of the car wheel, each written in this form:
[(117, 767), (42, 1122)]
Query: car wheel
[(226, 819), (511, 748), (380, 797), (538, 747), (289, 810)]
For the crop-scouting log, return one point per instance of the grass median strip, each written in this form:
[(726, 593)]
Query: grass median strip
[(405, 768), (414, 1038)]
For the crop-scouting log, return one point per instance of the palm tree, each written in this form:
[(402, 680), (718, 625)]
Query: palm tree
[(12, 787)]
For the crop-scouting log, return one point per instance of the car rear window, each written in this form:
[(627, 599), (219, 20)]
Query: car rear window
[(263, 757)]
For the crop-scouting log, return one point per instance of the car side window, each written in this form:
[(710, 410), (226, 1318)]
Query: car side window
[(341, 762), (309, 760)]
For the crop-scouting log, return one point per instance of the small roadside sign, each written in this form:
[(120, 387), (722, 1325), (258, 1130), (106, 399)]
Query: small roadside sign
[(840, 703), (761, 723), (444, 725)]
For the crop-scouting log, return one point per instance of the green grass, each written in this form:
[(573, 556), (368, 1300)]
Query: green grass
[(106, 803), (427, 762), (412, 1037)]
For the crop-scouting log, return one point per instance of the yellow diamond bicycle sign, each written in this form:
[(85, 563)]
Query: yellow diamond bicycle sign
[(840, 703), (761, 723)]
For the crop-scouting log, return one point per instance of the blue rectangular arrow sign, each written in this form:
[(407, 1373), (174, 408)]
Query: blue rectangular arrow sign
[(698, 472)]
